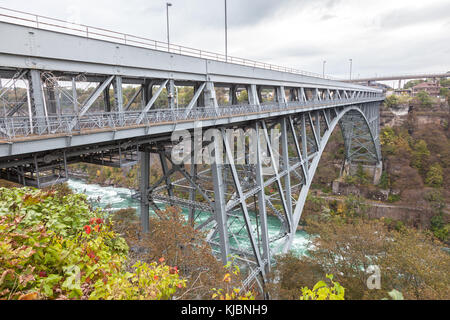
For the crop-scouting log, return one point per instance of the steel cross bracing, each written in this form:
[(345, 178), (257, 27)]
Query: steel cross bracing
[(65, 106), (237, 199)]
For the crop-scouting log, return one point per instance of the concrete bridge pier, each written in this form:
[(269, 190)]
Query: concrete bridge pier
[(373, 170), (143, 189)]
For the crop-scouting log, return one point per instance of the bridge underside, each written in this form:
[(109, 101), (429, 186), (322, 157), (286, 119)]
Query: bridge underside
[(111, 104), (263, 170)]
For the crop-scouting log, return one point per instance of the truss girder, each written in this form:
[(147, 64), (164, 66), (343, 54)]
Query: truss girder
[(239, 197), (234, 198)]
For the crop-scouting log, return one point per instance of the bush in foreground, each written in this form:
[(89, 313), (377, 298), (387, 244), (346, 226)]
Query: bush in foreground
[(54, 246)]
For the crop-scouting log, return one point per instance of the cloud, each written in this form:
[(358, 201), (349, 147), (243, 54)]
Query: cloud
[(382, 37), (327, 17), (408, 16)]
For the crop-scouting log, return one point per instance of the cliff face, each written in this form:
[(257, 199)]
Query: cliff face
[(412, 216), (437, 114), (407, 165), (394, 117)]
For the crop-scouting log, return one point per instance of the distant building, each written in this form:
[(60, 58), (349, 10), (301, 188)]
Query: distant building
[(401, 92), (432, 88), (377, 85)]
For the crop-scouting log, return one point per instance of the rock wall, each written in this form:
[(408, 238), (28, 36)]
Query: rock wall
[(417, 217)]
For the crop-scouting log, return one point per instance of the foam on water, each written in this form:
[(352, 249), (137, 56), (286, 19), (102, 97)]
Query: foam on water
[(112, 198)]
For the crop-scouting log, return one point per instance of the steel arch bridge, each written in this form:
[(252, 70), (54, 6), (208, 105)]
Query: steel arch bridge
[(244, 194), (263, 151)]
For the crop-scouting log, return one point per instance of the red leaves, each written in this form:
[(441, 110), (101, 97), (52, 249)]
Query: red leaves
[(42, 274), (173, 270), (161, 260), (155, 277), (97, 227), (91, 254), (87, 229)]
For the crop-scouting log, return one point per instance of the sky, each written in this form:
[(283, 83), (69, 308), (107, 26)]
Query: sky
[(381, 37)]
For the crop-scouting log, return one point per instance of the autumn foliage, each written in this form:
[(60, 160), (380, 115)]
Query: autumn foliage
[(54, 246)]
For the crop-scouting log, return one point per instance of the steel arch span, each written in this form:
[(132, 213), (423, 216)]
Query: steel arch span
[(252, 180), (67, 97)]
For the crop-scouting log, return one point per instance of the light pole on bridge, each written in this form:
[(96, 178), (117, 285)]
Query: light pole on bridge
[(323, 69), (167, 13), (226, 33), (351, 62)]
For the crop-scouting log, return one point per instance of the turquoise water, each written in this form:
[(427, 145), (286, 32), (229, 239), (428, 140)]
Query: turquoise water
[(112, 198)]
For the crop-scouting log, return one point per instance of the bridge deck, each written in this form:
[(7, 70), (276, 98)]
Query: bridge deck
[(18, 136), (37, 149)]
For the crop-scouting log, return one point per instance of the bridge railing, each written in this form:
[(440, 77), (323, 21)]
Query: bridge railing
[(51, 24), (18, 127)]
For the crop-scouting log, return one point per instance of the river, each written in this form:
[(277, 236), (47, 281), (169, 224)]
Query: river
[(113, 198)]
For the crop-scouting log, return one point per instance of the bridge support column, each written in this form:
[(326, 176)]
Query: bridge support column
[(118, 97), (210, 95), (107, 101), (171, 94), (374, 170), (265, 241), (252, 92), (192, 193), (143, 189), (54, 102), (280, 94), (378, 170), (220, 204), (233, 96), (259, 93), (286, 166), (147, 92), (37, 98)]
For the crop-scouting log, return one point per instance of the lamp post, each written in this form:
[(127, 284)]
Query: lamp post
[(323, 69), (351, 62), (226, 33), (167, 13)]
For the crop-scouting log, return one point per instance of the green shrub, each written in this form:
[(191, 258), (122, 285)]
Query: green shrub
[(56, 247), (322, 291)]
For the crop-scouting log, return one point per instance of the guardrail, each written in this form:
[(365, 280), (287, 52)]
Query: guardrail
[(51, 24), (16, 127), (403, 76)]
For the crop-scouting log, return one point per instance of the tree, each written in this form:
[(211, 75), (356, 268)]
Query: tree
[(407, 260), (322, 291), (416, 265), (52, 246), (290, 274), (445, 82), (391, 101), (412, 83), (424, 99), (434, 176), (346, 248), (420, 155), (243, 97), (179, 243)]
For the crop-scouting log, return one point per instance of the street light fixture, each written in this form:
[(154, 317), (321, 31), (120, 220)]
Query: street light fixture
[(323, 69), (226, 33), (167, 13), (351, 62)]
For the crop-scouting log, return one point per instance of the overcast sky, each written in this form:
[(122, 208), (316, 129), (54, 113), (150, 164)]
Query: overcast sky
[(381, 37)]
